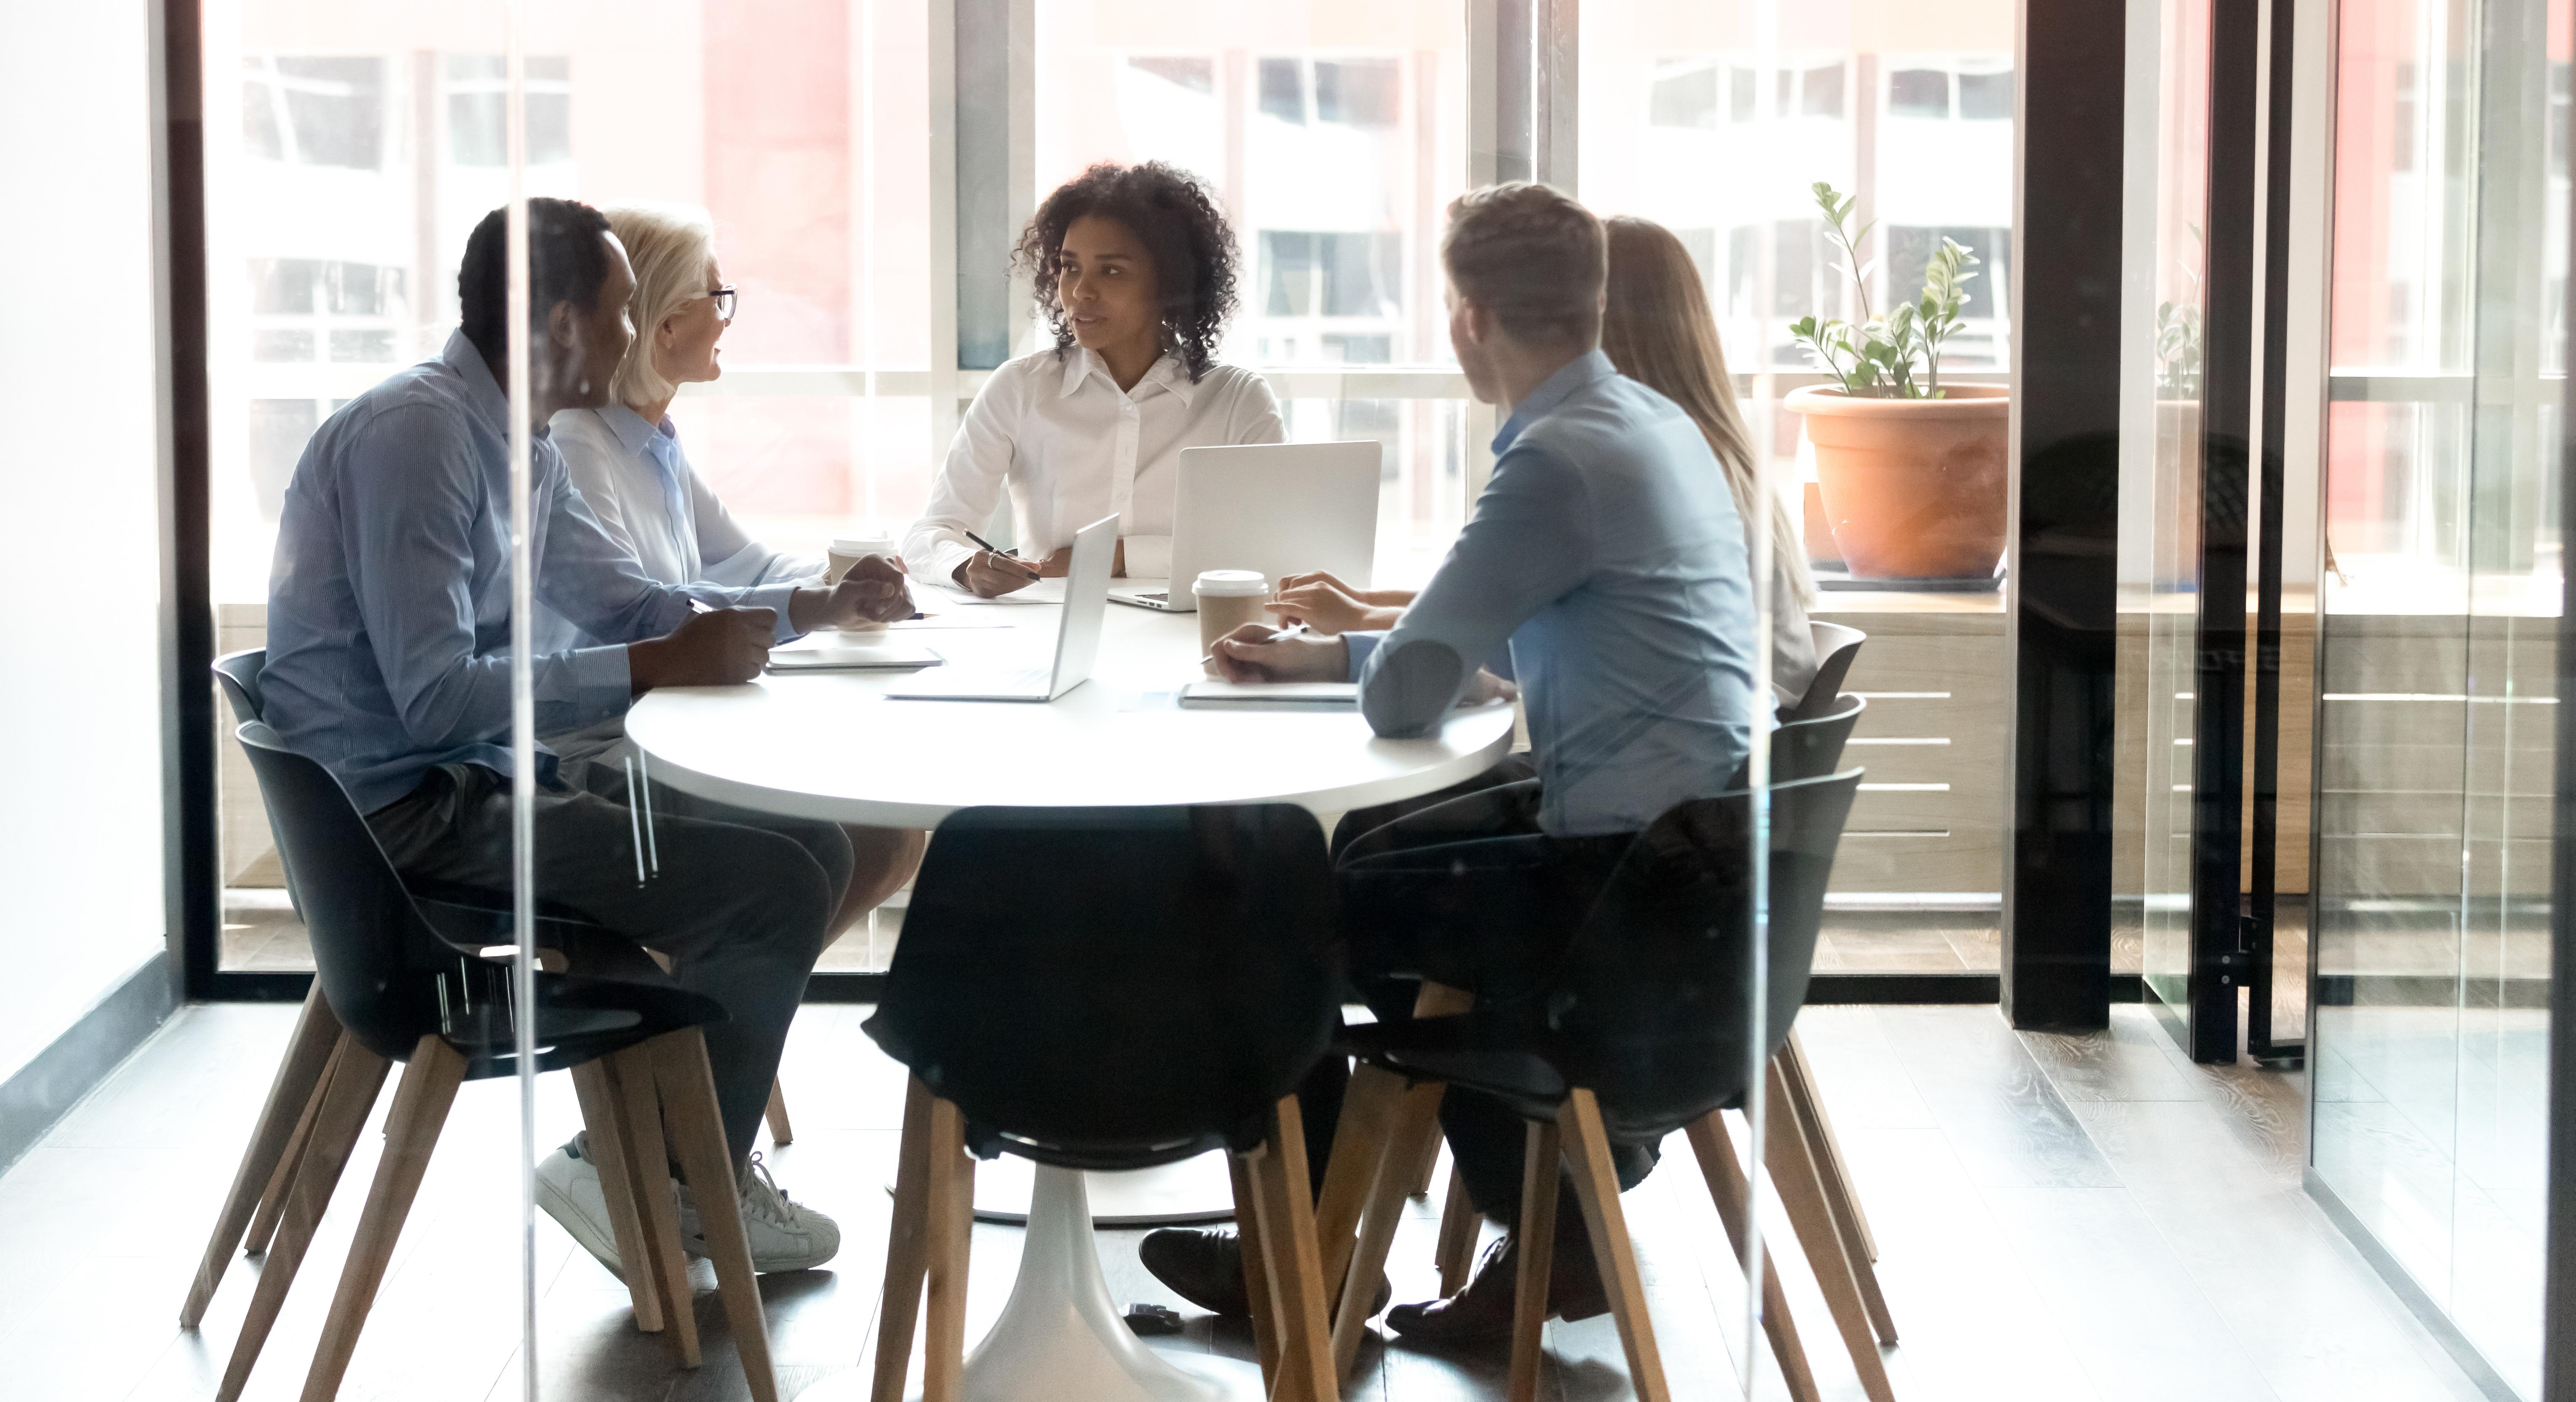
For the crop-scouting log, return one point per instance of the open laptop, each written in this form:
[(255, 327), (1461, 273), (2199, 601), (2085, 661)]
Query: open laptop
[(1280, 508), (1077, 638)]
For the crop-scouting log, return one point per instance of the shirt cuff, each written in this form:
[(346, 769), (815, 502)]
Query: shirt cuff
[(1150, 557), (937, 564), (603, 685), (1362, 646), (778, 597)]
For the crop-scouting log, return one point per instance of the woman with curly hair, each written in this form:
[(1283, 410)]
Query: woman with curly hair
[(1135, 274)]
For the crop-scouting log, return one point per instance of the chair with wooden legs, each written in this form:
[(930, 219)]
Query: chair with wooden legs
[(1800, 749), (1645, 1031), (405, 991), (1168, 1005), (257, 1200)]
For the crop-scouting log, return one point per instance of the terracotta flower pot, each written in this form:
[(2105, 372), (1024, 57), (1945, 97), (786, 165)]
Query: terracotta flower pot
[(1912, 488)]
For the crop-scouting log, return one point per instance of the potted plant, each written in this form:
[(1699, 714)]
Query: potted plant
[(1911, 472)]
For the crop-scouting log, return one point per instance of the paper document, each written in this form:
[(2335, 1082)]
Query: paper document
[(1044, 591), (1215, 693)]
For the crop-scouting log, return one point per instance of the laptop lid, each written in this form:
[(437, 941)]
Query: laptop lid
[(1086, 599), (1280, 508)]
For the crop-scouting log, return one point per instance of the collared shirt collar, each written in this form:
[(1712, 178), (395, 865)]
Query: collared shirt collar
[(631, 428), (1585, 369), (481, 390), (1081, 362)]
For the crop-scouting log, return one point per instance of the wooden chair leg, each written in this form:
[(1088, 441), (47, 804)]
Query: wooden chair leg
[(347, 1099), (1727, 1189), (1536, 1249), (952, 1224), (1259, 1286), (281, 1181), (1359, 1141), (1424, 1171), (1459, 1227), (1416, 1117), (603, 1116), (285, 1120), (696, 1128), (1292, 1263), (421, 1103), (665, 1264), (781, 1133), (1596, 1188), (908, 1251), (1828, 1150), (1834, 1181), (1793, 1177)]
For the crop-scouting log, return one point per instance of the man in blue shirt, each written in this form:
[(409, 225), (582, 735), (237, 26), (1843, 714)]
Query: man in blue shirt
[(1603, 574), (388, 662)]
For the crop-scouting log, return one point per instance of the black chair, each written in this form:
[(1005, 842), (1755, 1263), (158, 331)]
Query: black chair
[(1836, 646), (1165, 1001), (1645, 1031), (404, 989)]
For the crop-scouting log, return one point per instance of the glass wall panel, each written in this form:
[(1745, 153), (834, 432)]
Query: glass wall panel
[(2437, 656), (1717, 120)]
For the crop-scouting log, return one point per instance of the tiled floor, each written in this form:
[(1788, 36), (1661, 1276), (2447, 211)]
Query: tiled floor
[(2059, 1218)]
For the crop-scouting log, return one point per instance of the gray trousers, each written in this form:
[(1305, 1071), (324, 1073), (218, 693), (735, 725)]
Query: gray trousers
[(739, 901)]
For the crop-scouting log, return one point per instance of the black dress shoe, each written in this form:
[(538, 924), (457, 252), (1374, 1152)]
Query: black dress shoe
[(1482, 1312), (1206, 1269)]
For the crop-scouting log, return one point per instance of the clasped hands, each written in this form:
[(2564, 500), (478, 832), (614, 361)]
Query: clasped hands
[(1257, 652), (724, 646)]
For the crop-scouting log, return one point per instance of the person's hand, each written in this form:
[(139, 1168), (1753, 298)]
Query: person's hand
[(1485, 686), (1060, 563), (1326, 605), (1256, 652), (872, 592), (1391, 599), (707, 649), (989, 576)]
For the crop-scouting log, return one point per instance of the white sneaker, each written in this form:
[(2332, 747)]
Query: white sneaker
[(568, 1189), (785, 1236)]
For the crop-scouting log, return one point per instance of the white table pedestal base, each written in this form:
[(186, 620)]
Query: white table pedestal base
[(1061, 1335)]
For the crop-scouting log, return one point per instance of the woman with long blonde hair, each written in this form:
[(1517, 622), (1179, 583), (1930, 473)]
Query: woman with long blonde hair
[(1658, 329)]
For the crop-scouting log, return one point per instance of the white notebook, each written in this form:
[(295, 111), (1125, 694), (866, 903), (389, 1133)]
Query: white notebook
[(892, 654), (1216, 693)]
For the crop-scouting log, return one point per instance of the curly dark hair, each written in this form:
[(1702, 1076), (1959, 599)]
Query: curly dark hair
[(1171, 212)]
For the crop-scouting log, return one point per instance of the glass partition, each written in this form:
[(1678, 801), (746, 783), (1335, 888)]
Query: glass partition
[(1911, 116), (2437, 658)]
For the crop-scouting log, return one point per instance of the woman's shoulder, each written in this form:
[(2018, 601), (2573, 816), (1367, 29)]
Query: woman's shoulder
[(1236, 381)]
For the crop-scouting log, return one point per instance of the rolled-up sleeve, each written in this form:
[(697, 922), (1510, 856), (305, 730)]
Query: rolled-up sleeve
[(1528, 544)]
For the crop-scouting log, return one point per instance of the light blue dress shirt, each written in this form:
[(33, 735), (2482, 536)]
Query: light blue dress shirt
[(637, 482), (389, 599), (1604, 569)]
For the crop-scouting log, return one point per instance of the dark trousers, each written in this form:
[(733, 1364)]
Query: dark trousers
[(1462, 888), (740, 902)]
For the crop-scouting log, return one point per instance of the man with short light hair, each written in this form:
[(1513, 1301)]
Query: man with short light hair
[(1603, 572)]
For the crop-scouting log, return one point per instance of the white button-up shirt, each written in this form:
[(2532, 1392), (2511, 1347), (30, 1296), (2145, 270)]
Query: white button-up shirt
[(639, 484), (1073, 448)]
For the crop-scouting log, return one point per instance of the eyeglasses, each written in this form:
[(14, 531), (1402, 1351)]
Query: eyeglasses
[(725, 297)]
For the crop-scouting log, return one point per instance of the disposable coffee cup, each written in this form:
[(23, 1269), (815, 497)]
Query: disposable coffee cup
[(1227, 600), (847, 551)]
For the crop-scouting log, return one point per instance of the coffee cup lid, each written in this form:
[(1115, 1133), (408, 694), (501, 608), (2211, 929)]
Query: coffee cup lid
[(863, 545), (1230, 583)]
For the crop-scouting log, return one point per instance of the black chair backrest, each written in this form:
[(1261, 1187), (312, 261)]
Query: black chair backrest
[(1836, 646), (239, 673), (1114, 987), (1654, 1005), (1813, 747), (368, 936)]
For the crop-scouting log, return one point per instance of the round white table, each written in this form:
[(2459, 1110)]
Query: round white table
[(832, 745)]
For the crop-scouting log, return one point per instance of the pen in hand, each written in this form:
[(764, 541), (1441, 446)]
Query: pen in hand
[(1003, 555)]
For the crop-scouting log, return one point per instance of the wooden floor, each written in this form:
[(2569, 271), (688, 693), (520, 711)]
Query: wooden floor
[(2059, 1218)]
